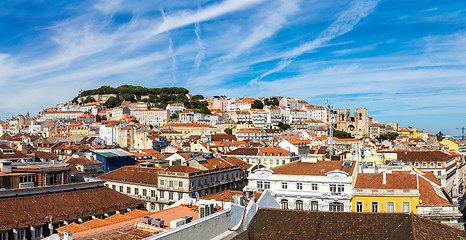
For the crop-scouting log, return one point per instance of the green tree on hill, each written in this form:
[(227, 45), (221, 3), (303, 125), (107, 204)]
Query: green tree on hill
[(341, 134), (113, 102), (257, 104), (89, 99)]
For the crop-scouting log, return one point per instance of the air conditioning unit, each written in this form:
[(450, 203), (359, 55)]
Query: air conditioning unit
[(205, 210), (177, 222)]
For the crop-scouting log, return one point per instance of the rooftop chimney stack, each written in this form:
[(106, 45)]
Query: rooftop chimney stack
[(384, 181)]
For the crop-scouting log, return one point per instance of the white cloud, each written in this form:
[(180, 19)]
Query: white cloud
[(345, 22), (272, 20)]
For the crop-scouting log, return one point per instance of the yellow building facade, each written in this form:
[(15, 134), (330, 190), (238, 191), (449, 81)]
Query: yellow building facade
[(386, 204), (80, 131), (452, 145), (386, 193)]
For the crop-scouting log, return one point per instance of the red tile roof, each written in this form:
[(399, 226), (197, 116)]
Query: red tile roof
[(313, 169), (274, 151), (393, 181), (22, 211), (182, 169), (134, 174)]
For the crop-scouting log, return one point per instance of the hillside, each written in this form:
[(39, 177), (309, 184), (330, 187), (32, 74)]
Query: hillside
[(157, 97)]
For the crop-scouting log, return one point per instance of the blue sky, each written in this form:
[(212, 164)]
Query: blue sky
[(404, 60)]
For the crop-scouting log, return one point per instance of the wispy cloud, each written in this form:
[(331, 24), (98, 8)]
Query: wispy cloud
[(184, 18), (272, 20), (345, 22), (200, 54), (171, 52)]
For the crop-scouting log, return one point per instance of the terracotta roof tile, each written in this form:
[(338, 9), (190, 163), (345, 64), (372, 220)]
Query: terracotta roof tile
[(313, 169), (21, 211), (393, 181), (134, 174)]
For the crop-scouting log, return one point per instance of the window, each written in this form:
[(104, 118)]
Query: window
[(136, 191), (162, 182), (283, 162), (284, 185), (406, 208), (3, 235), (152, 193), (284, 204), (180, 183), (314, 186), (277, 162), (439, 173), (359, 206), (121, 188), (335, 207), (21, 234), (38, 232), (152, 207), (144, 192), (375, 207), (170, 183), (299, 186), (180, 196), (162, 194), (113, 187), (341, 188), (424, 164), (439, 164), (266, 185), (128, 190), (170, 195), (299, 205), (390, 207), (416, 164), (431, 164), (337, 188), (314, 206), (260, 185)]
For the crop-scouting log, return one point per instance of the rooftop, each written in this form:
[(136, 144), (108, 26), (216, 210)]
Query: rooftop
[(269, 224), (133, 174), (320, 168), (21, 211), (116, 152)]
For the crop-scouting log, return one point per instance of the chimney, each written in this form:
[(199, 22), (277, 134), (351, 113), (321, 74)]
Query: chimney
[(384, 181)]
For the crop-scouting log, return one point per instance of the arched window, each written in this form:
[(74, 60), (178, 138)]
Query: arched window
[(284, 203), (314, 206), (299, 205), (335, 207)]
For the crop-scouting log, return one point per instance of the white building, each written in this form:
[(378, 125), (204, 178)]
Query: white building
[(117, 113), (308, 185), (175, 107), (317, 113), (109, 133), (156, 117), (259, 117), (61, 115), (298, 115)]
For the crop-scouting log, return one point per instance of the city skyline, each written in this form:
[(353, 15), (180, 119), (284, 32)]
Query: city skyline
[(404, 61)]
